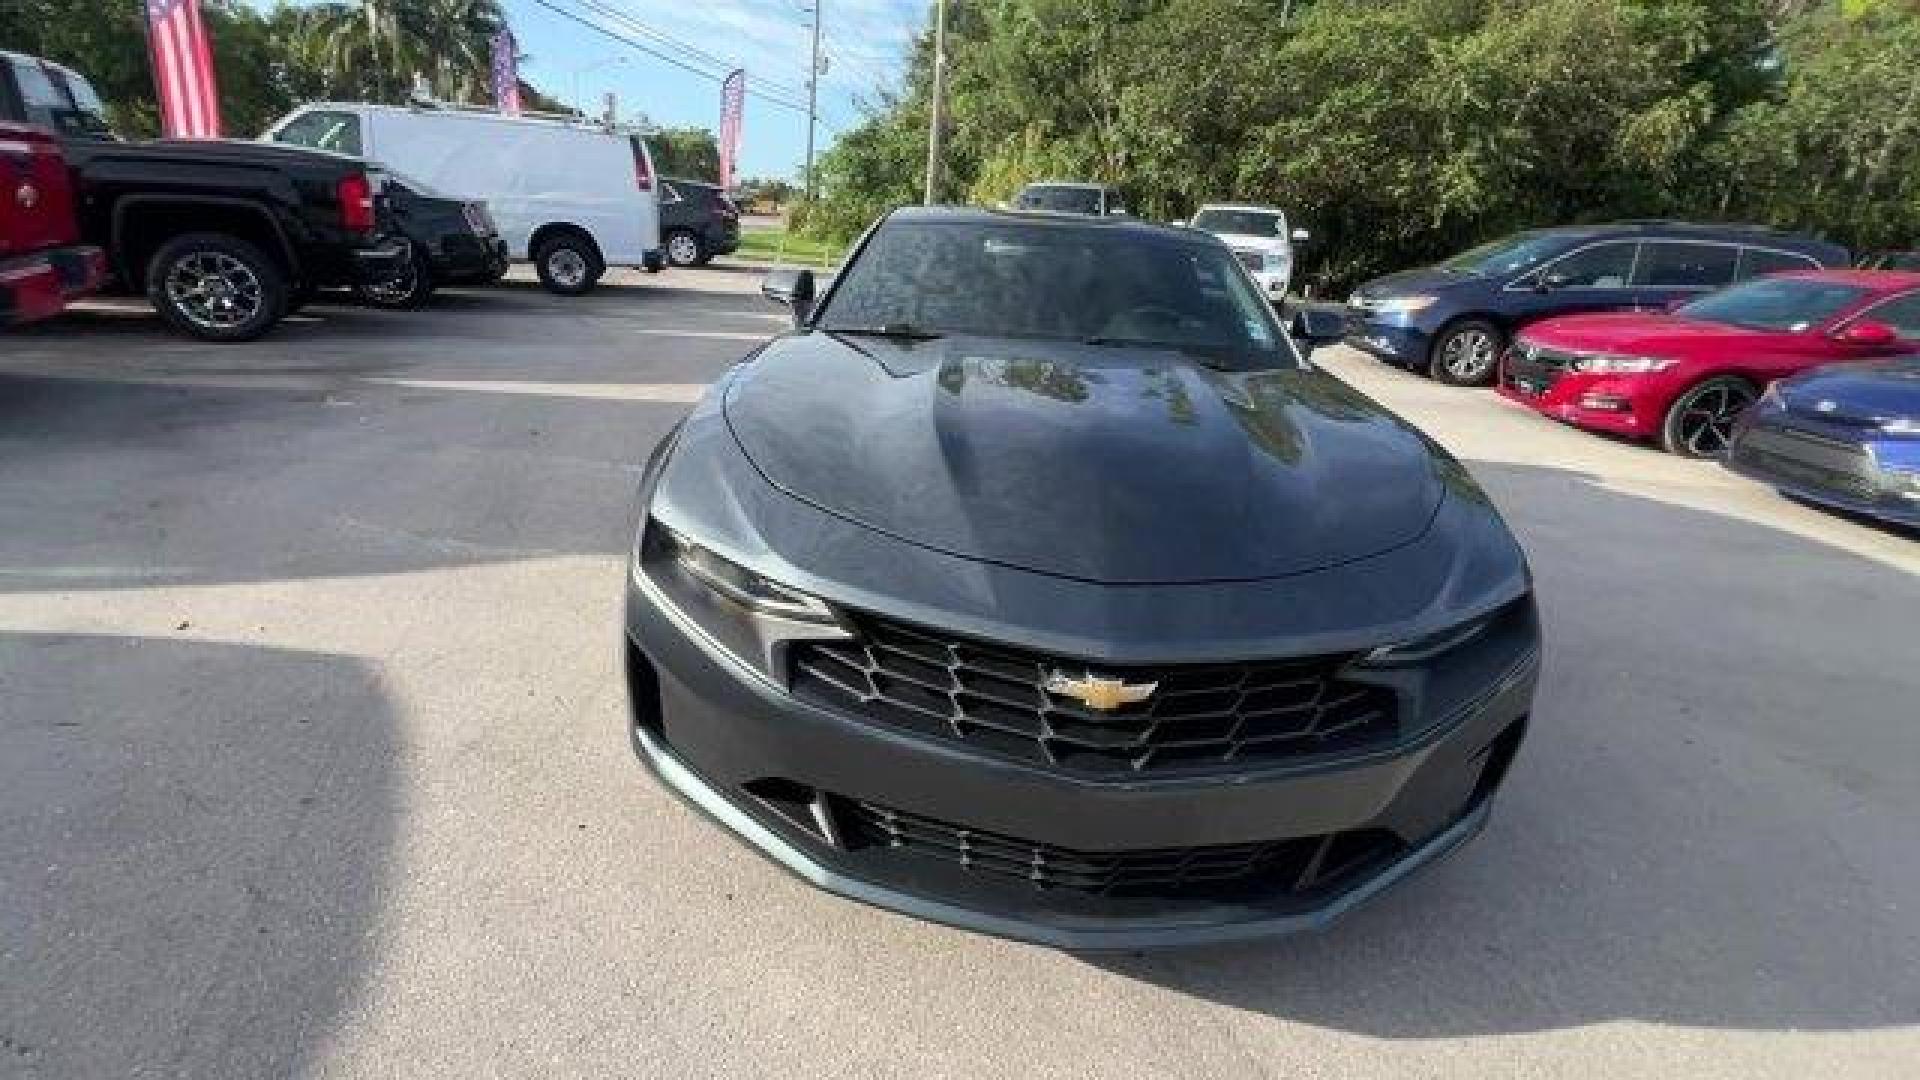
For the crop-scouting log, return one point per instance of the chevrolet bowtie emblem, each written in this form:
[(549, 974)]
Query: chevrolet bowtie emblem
[(1097, 693)]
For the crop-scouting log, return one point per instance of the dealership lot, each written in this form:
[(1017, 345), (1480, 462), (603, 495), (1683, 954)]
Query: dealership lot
[(315, 761)]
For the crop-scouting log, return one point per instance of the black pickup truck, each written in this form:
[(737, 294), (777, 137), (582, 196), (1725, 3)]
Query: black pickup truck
[(225, 238)]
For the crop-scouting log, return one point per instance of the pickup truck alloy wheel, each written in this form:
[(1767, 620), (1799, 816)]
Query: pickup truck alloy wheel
[(216, 287)]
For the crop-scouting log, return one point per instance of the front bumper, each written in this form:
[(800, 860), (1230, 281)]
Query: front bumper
[(382, 262), (1830, 465), (464, 256), (40, 285), (1388, 336), (1630, 405), (783, 774)]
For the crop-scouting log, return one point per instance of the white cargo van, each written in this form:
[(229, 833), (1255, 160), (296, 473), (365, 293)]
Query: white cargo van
[(572, 196)]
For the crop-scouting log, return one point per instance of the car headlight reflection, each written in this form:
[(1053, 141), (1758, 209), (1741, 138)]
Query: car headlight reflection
[(749, 615)]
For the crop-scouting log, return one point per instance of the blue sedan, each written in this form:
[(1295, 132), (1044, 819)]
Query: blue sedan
[(1846, 436)]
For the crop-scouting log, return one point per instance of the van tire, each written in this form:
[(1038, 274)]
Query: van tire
[(568, 264), (253, 288)]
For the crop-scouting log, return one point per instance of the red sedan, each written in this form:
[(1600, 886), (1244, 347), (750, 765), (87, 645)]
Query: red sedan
[(1682, 376)]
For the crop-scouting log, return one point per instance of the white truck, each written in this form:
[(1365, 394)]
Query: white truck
[(572, 196), (1260, 239)]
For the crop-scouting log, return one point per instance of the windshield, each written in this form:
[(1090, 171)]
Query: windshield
[(1776, 303), (1507, 255), (1240, 222), (1086, 283), (1060, 200), (61, 100)]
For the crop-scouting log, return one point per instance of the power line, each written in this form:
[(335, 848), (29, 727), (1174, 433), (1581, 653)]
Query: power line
[(664, 57), (640, 26)]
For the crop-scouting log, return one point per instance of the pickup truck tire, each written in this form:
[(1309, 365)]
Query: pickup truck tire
[(216, 287), (568, 264)]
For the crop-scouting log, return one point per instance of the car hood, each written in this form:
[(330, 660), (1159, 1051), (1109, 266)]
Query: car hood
[(1425, 279), (1100, 464), (1636, 332), (1876, 391)]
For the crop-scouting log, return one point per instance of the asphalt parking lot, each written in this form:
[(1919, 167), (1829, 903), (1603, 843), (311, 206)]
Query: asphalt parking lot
[(312, 757)]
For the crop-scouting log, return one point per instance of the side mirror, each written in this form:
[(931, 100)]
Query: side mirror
[(1869, 332), (1301, 236), (791, 286), (1313, 327)]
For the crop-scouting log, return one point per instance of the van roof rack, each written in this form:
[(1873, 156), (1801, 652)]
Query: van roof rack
[(424, 104)]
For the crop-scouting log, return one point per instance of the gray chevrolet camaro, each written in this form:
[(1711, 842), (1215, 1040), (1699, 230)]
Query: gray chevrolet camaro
[(1035, 584)]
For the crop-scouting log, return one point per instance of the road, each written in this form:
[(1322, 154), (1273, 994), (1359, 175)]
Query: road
[(312, 758)]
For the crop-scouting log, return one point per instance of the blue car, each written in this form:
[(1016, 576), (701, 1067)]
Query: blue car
[(1846, 436), (1453, 320)]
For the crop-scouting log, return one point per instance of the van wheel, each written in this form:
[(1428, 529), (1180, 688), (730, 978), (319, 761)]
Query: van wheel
[(685, 249), (216, 287), (1699, 423), (568, 265)]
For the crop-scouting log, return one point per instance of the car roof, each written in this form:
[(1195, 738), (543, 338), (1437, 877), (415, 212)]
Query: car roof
[(976, 215), (1253, 207), (1876, 280)]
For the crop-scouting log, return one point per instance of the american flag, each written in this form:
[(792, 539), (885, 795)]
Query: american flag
[(733, 95), (506, 73), (183, 70)]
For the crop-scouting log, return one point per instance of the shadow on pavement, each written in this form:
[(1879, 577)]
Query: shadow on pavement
[(196, 850), (1712, 822)]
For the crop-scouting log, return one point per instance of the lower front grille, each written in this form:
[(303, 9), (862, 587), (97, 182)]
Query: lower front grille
[(1302, 866), (1804, 458), (1002, 701)]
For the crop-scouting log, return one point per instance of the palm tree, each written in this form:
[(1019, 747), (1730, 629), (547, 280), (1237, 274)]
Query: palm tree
[(376, 48)]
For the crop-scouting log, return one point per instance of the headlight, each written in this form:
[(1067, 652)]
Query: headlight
[(748, 614), (1901, 425), (1404, 304), (1605, 364), (1276, 262), (1421, 649)]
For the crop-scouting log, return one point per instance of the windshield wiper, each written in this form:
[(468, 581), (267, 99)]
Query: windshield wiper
[(903, 331)]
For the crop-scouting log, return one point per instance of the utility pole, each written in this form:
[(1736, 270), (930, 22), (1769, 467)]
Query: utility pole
[(813, 95), (936, 115)]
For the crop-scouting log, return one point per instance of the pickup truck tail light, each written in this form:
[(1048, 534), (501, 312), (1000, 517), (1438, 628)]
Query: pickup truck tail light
[(356, 203)]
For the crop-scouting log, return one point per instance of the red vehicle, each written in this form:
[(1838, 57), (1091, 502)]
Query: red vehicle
[(42, 263), (1682, 376)]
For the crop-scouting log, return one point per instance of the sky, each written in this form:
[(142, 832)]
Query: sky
[(864, 43)]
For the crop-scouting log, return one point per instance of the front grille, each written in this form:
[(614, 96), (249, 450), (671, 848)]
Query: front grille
[(1302, 865), (996, 698), (1803, 457), (1534, 369)]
